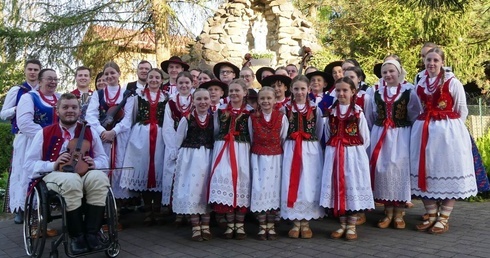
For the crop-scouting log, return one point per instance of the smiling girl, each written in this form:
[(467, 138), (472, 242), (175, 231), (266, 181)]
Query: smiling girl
[(146, 146), (114, 139), (195, 138), (178, 106), (268, 129), (302, 163), (440, 148), (346, 184), (229, 184), (355, 74), (280, 84), (394, 108)]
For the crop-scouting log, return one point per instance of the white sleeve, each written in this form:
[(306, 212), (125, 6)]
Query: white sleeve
[(92, 114), (8, 108), (125, 124), (168, 130), (101, 160), (34, 162), (364, 130), (414, 107), (25, 116), (457, 92), (370, 109), (181, 132), (319, 123), (285, 128), (250, 129), (326, 128)]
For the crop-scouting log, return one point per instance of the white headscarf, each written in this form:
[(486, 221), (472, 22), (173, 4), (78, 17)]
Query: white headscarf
[(401, 71)]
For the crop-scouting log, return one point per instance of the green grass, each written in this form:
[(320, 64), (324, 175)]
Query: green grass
[(3, 187)]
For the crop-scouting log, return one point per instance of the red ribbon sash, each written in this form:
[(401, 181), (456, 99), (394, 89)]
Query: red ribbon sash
[(339, 178), (296, 165), (422, 184), (388, 123), (152, 182), (229, 142)]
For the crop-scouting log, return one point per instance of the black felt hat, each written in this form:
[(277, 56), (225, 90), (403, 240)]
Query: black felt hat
[(269, 80), (258, 74), (252, 94), (217, 67), (329, 67), (377, 70), (175, 60), (218, 83), (326, 76)]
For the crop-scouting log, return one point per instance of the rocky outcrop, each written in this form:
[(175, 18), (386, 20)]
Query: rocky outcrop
[(228, 34)]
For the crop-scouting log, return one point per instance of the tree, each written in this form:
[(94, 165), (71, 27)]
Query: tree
[(437, 4), (369, 30), (52, 30)]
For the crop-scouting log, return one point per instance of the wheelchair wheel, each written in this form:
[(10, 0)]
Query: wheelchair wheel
[(113, 250), (35, 220), (111, 219)]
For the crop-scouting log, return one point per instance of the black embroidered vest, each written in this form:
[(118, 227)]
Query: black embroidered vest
[(400, 112), (197, 136)]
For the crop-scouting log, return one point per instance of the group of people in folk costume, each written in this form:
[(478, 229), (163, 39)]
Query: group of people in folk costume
[(301, 147)]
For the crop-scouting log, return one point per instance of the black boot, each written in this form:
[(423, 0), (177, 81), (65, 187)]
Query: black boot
[(74, 223), (93, 222), (19, 217)]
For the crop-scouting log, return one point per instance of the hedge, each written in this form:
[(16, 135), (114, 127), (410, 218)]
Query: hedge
[(6, 138)]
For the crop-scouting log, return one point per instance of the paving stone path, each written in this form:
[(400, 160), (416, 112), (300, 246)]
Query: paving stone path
[(468, 236)]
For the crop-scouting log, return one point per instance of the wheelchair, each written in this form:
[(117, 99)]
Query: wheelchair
[(39, 208)]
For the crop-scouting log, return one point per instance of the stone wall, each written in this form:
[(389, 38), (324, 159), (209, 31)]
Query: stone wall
[(228, 34)]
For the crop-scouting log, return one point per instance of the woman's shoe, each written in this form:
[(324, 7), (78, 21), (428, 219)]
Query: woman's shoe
[(306, 232), (441, 225), (206, 233), (398, 221), (294, 232), (271, 231), (351, 233), (361, 218), (240, 232), (384, 222), (262, 235), (424, 226), (230, 228), (196, 234)]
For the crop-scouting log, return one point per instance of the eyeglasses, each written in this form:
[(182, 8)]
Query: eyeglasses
[(49, 79), (291, 71), (246, 76), (225, 72)]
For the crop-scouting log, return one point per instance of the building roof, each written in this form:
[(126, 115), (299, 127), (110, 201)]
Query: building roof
[(129, 38)]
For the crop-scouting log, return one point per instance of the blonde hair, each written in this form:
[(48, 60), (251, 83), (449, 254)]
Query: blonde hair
[(266, 88), (242, 83)]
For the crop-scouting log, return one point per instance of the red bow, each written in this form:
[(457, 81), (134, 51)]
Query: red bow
[(296, 165)]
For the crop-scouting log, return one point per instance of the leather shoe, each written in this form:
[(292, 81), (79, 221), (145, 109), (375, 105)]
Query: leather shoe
[(93, 242), (78, 245), (19, 217), (50, 232)]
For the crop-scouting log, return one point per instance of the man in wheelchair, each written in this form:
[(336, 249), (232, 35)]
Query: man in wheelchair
[(57, 145)]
